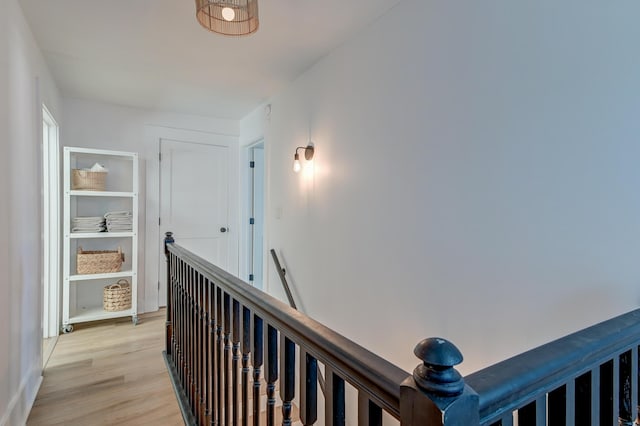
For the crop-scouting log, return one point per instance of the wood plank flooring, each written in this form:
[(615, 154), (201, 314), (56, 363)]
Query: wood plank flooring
[(108, 373)]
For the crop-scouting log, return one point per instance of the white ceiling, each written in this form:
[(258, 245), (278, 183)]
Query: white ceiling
[(153, 53)]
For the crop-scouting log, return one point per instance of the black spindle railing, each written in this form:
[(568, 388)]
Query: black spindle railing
[(227, 343)]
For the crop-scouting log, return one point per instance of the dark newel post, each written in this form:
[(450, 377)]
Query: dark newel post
[(168, 323), (436, 394)]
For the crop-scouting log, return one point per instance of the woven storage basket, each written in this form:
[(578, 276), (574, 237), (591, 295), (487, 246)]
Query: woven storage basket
[(99, 262), (88, 181), (117, 297)]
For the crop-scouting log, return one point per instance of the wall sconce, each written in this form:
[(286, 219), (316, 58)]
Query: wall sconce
[(308, 155)]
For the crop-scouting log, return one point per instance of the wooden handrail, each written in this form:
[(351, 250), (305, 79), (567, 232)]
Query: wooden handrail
[(513, 383), (222, 332), (357, 365)]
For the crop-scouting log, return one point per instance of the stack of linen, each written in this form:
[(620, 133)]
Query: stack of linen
[(119, 221), (88, 224)]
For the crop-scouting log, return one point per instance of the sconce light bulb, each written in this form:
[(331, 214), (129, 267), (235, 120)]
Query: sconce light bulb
[(228, 14), (296, 163)]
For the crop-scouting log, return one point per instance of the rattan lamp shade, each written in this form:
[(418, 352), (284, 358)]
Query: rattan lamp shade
[(212, 13)]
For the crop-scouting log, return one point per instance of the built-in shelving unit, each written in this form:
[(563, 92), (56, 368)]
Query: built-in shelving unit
[(82, 293)]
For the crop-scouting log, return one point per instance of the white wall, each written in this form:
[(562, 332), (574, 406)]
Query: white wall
[(106, 126), (476, 176), (24, 84)]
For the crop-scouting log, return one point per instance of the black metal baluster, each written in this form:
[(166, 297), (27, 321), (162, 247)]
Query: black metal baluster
[(192, 350), (212, 353), (202, 350), (235, 340), (178, 321), (180, 348), (168, 321), (288, 380), (635, 372), (308, 388), (257, 350), (193, 343), (184, 338), (206, 333), (246, 350), (369, 414), (595, 396), (183, 313), (183, 330), (624, 390), (176, 316), (334, 404), (616, 388), (197, 314), (174, 309), (227, 357), (219, 372), (272, 373), (171, 322)]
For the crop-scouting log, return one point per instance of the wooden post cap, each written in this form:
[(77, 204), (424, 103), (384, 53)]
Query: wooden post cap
[(436, 374), (168, 239)]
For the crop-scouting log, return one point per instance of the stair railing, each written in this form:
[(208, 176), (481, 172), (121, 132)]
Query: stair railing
[(283, 279), (586, 378), (226, 340)]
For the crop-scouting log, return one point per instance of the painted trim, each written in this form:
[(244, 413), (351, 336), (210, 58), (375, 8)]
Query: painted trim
[(14, 415), (181, 396), (51, 223)]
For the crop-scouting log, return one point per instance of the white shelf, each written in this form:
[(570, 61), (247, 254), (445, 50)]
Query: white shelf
[(97, 313), (106, 153), (81, 293), (103, 194), (87, 277), (101, 235)]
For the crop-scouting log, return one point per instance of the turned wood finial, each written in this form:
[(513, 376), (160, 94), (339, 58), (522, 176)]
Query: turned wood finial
[(436, 374), (168, 239)]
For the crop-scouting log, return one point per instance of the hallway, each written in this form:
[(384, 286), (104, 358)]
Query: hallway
[(108, 373)]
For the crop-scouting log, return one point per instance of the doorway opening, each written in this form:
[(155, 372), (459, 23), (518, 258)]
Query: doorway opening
[(255, 247), (51, 231)]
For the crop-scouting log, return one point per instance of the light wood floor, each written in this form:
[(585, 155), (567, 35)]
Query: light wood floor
[(108, 373)]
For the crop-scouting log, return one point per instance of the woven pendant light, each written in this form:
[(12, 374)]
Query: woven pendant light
[(228, 17)]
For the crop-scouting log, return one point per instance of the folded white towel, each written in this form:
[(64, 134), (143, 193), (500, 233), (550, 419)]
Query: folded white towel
[(88, 229), (121, 214)]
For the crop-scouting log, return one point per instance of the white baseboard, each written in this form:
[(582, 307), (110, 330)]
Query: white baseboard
[(20, 405)]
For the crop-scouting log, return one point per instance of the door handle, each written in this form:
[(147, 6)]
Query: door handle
[(223, 229)]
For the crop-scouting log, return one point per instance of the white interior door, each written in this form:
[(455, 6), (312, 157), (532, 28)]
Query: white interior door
[(194, 201)]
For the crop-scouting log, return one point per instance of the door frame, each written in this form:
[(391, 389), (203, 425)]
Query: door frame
[(51, 224), (153, 240), (251, 196), (245, 210)]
